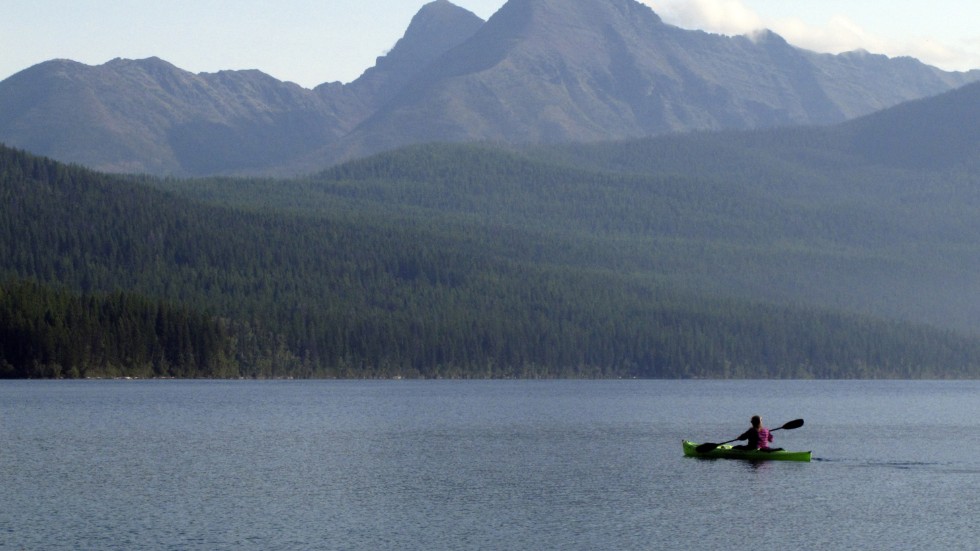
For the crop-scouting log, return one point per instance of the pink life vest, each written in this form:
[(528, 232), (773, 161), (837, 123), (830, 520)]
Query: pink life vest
[(764, 438)]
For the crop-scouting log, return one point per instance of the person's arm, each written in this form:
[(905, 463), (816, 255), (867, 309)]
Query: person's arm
[(745, 435)]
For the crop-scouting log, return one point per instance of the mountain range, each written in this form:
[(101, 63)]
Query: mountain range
[(538, 71)]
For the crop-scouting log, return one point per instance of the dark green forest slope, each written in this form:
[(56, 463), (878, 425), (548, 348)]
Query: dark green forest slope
[(735, 215), (47, 332), (435, 261)]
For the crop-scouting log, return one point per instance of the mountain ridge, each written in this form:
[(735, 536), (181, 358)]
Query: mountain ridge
[(612, 69), (537, 71)]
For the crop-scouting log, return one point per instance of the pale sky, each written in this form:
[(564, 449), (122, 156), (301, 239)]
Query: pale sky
[(315, 41)]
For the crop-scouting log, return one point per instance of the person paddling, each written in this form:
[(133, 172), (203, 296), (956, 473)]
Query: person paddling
[(758, 437), (709, 447)]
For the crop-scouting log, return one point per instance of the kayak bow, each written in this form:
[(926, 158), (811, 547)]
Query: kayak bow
[(727, 452)]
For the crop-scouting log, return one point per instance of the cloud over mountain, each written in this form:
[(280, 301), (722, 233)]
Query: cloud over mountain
[(837, 34)]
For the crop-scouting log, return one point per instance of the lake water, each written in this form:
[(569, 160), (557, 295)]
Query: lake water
[(483, 465)]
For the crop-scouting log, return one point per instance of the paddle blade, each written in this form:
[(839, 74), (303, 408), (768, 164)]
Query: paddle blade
[(706, 447), (795, 424)]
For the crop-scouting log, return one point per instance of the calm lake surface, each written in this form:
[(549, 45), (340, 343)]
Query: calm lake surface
[(483, 465)]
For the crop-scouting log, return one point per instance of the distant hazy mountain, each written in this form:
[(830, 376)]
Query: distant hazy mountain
[(150, 116), (939, 132), (538, 71), (571, 70)]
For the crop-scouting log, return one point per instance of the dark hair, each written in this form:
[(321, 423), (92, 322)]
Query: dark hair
[(756, 421)]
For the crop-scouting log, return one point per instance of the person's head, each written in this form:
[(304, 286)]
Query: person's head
[(756, 421)]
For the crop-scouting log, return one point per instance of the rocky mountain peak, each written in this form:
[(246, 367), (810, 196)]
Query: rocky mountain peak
[(438, 27)]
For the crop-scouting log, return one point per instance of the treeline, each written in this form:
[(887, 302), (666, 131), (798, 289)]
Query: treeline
[(345, 285), (49, 333)]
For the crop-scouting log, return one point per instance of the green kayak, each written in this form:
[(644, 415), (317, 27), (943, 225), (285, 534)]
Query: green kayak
[(727, 452)]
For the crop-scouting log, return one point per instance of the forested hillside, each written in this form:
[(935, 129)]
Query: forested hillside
[(45, 332), (715, 214), (437, 261), (879, 215)]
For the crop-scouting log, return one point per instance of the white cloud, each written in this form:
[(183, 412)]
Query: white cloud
[(730, 17), (961, 56), (838, 34)]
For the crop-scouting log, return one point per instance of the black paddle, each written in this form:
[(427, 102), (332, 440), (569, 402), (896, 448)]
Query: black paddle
[(708, 446)]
